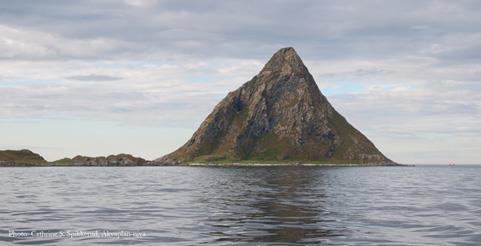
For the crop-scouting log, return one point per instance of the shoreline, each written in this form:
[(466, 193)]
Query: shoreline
[(151, 164)]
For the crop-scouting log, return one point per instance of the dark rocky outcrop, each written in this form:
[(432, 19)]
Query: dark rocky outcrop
[(279, 116), (111, 160)]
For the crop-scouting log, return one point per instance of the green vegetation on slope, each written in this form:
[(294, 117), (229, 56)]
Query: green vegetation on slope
[(21, 156)]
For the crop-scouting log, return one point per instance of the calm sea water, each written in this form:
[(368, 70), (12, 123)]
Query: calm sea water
[(202, 205)]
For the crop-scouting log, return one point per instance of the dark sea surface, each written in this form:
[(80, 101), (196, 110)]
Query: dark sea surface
[(437, 205)]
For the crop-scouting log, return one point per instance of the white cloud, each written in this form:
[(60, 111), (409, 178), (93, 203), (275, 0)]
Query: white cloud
[(22, 43), (140, 3)]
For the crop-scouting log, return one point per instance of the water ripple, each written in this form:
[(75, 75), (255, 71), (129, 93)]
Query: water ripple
[(221, 206)]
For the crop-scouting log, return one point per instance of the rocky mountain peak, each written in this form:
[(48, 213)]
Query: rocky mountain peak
[(280, 115), (284, 62)]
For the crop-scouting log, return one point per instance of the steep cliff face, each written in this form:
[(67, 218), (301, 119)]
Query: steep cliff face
[(280, 115)]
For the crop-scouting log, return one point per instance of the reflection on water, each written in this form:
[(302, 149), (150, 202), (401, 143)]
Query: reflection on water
[(283, 207), (195, 205)]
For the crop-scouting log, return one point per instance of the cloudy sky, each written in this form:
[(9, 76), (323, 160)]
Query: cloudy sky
[(138, 76)]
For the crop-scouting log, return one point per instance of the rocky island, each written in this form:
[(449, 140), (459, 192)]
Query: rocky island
[(111, 160), (280, 116), (22, 157), (26, 157)]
